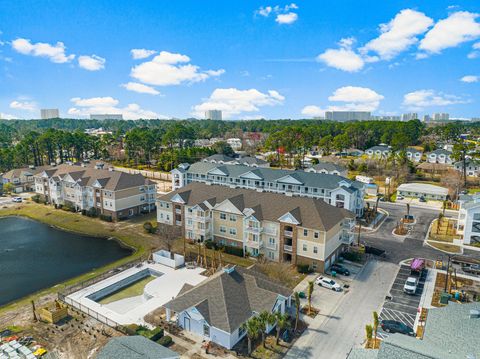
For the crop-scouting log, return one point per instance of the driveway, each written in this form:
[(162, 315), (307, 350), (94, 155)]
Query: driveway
[(332, 336)]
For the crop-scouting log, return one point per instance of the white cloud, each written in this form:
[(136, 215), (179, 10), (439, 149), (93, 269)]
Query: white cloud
[(398, 34), (470, 78), (91, 63), (284, 15), (55, 53), (420, 99), (170, 69), (7, 116), (288, 18), (457, 28), (233, 101), (351, 98), (142, 53), (24, 105), (140, 88), (108, 105), (344, 58)]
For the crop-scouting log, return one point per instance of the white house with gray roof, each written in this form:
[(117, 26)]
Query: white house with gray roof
[(216, 309), (328, 168), (414, 154), (335, 190), (380, 151), (425, 190), (440, 156), (472, 166)]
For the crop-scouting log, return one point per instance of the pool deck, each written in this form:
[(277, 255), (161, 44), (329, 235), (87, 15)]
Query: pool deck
[(132, 310)]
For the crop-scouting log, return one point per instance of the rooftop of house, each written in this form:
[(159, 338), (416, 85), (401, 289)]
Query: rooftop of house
[(379, 148), (441, 151), (308, 212), (229, 298), (248, 160), (328, 166), (90, 176), (26, 171), (135, 347), (423, 188), (298, 177), (450, 332)]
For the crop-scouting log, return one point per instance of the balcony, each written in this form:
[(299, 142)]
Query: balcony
[(287, 248), (253, 229), (272, 231), (254, 244), (288, 233), (178, 223), (178, 210), (271, 246), (348, 225), (347, 238)]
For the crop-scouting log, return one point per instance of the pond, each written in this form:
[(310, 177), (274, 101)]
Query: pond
[(35, 256)]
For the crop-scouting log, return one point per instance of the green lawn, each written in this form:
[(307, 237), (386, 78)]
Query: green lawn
[(133, 290)]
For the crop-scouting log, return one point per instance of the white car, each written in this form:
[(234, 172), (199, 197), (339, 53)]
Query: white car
[(410, 286), (17, 199), (328, 283)]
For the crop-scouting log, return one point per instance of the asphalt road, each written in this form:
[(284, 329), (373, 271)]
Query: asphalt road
[(412, 246), (334, 337)]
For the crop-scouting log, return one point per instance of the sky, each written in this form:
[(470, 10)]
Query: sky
[(250, 59)]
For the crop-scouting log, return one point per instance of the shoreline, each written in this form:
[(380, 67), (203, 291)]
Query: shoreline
[(137, 250)]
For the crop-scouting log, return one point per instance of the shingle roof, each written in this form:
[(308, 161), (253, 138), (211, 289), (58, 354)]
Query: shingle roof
[(227, 300), (18, 172), (441, 151), (87, 176), (135, 347), (319, 180), (219, 157), (379, 148), (328, 166), (423, 188), (310, 212)]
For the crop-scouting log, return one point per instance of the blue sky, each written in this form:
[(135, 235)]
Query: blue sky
[(249, 58)]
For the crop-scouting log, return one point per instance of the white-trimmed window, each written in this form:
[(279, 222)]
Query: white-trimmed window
[(305, 248), (223, 229), (315, 250), (233, 231), (223, 216)]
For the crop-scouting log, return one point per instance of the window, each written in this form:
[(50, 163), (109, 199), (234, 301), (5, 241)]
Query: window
[(168, 217), (233, 231), (305, 232), (315, 250), (206, 330), (304, 247), (315, 234), (223, 229), (223, 216), (271, 255), (271, 240), (241, 332), (233, 218)]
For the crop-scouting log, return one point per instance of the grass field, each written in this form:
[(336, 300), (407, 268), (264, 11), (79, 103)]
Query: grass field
[(450, 248), (133, 290)]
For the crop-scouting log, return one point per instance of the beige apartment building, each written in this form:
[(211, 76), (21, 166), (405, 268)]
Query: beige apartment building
[(118, 195), (297, 230)]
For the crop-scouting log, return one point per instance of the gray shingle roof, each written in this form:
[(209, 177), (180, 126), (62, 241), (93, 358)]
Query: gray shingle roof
[(219, 157), (135, 347), (319, 180), (441, 151), (227, 300), (310, 212), (379, 148), (328, 166)]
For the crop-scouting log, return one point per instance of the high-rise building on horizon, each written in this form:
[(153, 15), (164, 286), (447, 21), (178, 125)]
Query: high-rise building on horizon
[(441, 116), (48, 113), (347, 115), (213, 115), (426, 118), (101, 117), (410, 116)]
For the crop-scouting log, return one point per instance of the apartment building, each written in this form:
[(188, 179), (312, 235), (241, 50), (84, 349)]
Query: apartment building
[(243, 160), (472, 166), (468, 224), (297, 230), (440, 156), (328, 168), (413, 154), (111, 193), (335, 190), (379, 151), (22, 179)]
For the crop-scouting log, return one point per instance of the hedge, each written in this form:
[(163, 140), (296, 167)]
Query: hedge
[(165, 341), (236, 251)]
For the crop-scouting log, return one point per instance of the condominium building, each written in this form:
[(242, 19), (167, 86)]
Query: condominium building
[(101, 117), (347, 115), (48, 113), (440, 156), (441, 116), (468, 224), (410, 116), (244, 160), (380, 151), (22, 179), (296, 230), (213, 115), (110, 193), (335, 190), (328, 168)]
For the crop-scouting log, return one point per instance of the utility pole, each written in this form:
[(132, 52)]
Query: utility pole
[(448, 269)]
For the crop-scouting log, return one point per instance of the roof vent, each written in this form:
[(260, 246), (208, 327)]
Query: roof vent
[(229, 268), (474, 313)]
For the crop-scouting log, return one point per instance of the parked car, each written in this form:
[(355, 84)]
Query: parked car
[(392, 326), (473, 268), (340, 269), (17, 199), (410, 286), (328, 283), (422, 199), (400, 198)]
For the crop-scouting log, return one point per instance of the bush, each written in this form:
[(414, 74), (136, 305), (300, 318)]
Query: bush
[(352, 256), (210, 244), (106, 218), (304, 268), (149, 228), (166, 341), (36, 198), (154, 334), (91, 212), (236, 251)]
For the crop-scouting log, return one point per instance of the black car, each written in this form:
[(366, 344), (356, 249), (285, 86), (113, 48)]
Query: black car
[(392, 326), (340, 269)]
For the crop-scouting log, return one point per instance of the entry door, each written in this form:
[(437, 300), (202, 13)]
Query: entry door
[(186, 323)]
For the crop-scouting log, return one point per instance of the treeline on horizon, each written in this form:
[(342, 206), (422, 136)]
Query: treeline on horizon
[(169, 142)]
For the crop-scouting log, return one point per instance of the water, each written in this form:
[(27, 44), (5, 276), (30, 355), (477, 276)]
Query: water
[(35, 256)]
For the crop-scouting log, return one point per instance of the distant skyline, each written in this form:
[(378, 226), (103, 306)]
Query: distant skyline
[(250, 59)]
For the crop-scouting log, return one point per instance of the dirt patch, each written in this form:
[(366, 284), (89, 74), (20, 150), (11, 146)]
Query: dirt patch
[(466, 289)]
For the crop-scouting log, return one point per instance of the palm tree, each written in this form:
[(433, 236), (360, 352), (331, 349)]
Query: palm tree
[(252, 328), (369, 332), (309, 294), (297, 309), (265, 319), (282, 323), (375, 325)]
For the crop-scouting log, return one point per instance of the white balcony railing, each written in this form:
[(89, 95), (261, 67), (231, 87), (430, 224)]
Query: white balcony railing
[(271, 246), (287, 248), (288, 233), (178, 211), (255, 244)]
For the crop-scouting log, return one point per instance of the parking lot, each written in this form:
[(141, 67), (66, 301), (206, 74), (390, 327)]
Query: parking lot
[(402, 307)]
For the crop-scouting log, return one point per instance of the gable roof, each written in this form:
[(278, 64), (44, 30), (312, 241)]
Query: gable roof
[(328, 166), (379, 148), (441, 151), (309, 212), (135, 347), (228, 298)]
